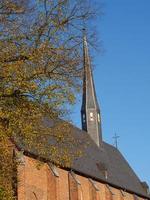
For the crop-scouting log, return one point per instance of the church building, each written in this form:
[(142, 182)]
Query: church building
[(101, 173)]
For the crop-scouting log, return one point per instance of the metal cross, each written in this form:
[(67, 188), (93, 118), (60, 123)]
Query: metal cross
[(116, 140)]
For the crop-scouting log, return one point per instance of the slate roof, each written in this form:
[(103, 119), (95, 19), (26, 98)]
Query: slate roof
[(89, 93), (119, 172), (95, 161)]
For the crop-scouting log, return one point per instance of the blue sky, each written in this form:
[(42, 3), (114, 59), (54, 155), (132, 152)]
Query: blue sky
[(122, 79)]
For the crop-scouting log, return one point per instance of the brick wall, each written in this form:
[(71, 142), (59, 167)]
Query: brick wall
[(39, 181)]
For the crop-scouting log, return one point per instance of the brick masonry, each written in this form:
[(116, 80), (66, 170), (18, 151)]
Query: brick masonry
[(37, 181)]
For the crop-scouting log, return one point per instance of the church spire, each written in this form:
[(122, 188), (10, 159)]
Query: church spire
[(90, 112)]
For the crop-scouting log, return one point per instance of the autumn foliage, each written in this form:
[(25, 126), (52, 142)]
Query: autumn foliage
[(40, 71)]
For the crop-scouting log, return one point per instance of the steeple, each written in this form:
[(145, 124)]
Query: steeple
[(90, 112)]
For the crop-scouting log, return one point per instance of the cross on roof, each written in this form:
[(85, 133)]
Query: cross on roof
[(116, 140)]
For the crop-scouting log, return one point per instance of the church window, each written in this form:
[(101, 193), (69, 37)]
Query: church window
[(91, 116)]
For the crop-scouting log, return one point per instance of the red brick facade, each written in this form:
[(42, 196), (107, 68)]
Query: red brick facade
[(38, 181)]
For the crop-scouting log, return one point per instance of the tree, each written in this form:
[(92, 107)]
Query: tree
[(40, 71)]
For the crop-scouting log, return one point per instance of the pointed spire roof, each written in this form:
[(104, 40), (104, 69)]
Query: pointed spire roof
[(89, 94), (90, 111)]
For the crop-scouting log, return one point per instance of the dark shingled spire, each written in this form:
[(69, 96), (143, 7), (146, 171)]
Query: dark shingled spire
[(90, 112)]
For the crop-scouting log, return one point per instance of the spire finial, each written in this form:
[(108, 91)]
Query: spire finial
[(84, 38), (84, 32)]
